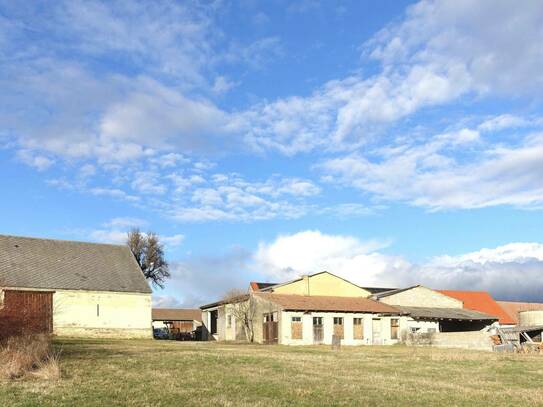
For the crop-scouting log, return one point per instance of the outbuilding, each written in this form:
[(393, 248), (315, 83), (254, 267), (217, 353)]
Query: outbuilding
[(80, 288)]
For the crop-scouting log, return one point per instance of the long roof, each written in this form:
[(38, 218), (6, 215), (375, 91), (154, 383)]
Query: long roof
[(176, 314), (293, 302), (27, 262), (481, 301), (460, 314), (513, 308)]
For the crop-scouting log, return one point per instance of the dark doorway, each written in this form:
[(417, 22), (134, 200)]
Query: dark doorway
[(318, 330), (270, 329), (214, 316)]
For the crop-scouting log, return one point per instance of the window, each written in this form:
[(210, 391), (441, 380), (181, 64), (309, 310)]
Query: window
[(229, 321), (296, 328), (394, 328), (338, 327), (358, 328), (317, 321), (270, 317)]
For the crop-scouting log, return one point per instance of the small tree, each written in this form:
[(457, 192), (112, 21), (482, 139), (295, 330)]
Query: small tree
[(149, 254), (242, 305)]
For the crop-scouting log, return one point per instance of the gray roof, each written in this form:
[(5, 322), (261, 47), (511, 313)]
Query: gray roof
[(446, 313), (59, 264)]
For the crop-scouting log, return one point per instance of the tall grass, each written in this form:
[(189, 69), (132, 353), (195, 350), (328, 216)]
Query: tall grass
[(29, 356)]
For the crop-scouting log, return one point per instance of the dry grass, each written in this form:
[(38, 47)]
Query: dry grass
[(165, 373), (29, 356)]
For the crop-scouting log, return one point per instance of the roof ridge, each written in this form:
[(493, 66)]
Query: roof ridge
[(62, 240)]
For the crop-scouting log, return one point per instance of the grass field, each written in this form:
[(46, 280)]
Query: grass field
[(163, 373)]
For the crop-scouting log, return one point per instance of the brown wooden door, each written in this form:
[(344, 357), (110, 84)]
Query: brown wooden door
[(318, 330), (270, 328)]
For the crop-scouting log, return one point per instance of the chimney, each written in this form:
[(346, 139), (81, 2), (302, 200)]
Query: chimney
[(305, 280)]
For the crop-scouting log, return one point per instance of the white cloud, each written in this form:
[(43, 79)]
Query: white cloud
[(512, 271), (290, 256), (40, 162), (443, 172), (126, 222), (167, 301)]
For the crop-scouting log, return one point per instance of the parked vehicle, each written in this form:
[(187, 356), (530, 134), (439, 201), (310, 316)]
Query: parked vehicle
[(161, 333)]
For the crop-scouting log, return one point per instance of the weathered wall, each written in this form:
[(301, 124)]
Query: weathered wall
[(25, 312), (422, 297), (476, 340), (323, 284), (328, 325), (101, 314)]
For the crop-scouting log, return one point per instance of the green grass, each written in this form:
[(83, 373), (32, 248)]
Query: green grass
[(164, 373)]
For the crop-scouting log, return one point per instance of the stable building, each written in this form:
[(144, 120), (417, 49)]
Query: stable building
[(316, 309), (72, 288), (432, 311)]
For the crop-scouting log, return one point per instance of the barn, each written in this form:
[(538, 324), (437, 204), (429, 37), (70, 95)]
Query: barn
[(72, 288), (177, 320)]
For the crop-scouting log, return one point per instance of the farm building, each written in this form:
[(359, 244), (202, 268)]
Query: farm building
[(177, 320), (432, 311), (483, 302), (72, 289), (303, 311), (322, 307), (513, 308)]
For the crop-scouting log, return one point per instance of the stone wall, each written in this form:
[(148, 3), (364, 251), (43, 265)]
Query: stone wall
[(476, 340)]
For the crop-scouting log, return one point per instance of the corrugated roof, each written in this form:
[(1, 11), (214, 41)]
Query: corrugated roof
[(513, 308), (291, 302), (59, 264), (461, 314), (176, 314), (378, 290), (480, 301)]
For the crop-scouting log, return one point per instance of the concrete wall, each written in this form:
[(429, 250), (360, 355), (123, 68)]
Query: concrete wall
[(101, 314), (328, 325), (422, 297), (322, 284), (476, 340)]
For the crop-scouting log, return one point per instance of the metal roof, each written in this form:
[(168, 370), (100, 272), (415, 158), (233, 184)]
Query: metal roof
[(460, 314), (59, 264), (176, 314)]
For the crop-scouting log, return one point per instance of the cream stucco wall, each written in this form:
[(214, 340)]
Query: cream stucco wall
[(101, 314), (422, 297), (328, 326), (322, 284)]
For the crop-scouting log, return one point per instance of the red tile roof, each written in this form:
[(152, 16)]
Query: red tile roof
[(513, 307), (481, 301), (292, 302)]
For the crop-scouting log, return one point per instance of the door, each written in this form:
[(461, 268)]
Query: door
[(318, 330), (376, 331), (270, 329)]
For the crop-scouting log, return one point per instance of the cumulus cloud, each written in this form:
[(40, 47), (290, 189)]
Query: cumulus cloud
[(290, 256), (510, 272), (453, 170)]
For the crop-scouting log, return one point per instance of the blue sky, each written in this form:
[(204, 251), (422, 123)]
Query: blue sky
[(391, 142)]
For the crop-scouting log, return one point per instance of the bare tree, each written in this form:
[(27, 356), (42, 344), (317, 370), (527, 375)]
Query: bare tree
[(242, 306), (149, 254)]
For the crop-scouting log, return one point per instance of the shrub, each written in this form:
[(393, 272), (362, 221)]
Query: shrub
[(23, 356)]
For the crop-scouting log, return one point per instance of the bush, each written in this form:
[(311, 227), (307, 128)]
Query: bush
[(24, 356)]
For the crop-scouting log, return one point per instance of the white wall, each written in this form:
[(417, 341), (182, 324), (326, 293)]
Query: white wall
[(76, 313), (328, 322)]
